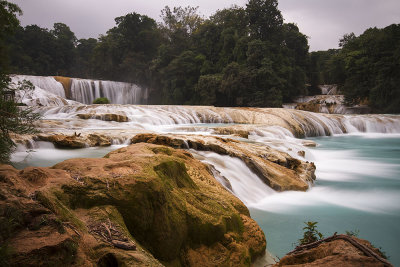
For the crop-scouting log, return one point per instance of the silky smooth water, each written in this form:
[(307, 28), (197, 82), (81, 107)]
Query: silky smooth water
[(357, 189), (45, 154)]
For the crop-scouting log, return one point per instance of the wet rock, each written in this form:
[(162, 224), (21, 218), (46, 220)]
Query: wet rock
[(309, 143), (138, 199), (277, 169), (64, 141), (342, 250), (104, 117), (98, 140), (301, 153)]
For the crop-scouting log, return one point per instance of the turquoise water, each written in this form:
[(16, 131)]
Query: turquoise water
[(357, 189)]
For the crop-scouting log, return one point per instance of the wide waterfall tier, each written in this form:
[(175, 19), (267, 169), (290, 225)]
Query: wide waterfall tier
[(59, 91), (255, 121), (86, 91)]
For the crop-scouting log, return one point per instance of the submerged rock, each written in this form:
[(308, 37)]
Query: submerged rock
[(114, 209)]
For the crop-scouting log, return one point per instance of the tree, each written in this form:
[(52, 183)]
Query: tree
[(65, 42), (8, 23), (13, 119), (206, 89), (265, 19)]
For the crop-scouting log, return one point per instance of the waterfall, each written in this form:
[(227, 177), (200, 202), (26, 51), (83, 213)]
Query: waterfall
[(278, 122), (81, 90), (48, 84), (86, 91), (249, 189)]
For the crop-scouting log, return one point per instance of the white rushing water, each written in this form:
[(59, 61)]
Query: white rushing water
[(46, 83), (245, 184), (86, 91), (49, 92)]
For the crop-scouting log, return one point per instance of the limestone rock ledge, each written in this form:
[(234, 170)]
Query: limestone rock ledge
[(143, 205), (277, 169)]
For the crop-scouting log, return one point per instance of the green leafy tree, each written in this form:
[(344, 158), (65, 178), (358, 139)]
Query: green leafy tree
[(64, 45), (206, 89), (265, 19), (13, 119)]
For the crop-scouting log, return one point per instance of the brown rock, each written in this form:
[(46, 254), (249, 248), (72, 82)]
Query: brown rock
[(145, 196), (64, 141), (98, 140), (277, 169), (104, 117), (346, 251)]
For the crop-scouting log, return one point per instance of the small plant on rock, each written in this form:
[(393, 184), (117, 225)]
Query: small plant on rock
[(311, 234), (101, 100), (354, 233)]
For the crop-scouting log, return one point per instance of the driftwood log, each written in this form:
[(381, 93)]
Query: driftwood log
[(367, 251)]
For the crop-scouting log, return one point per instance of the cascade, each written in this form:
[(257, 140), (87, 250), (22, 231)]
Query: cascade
[(81, 90), (278, 122), (86, 91), (250, 190), (45, 83)]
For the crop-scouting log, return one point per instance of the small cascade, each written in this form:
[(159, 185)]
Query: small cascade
[(86, 91), (250, 189), (273, 122), (48, 84)]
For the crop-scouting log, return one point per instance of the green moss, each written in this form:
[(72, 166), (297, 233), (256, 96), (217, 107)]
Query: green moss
[(12, 219), (163, 150), (6, 253), (175, 171), (51, 202)]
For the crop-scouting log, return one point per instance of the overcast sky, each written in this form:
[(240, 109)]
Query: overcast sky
[(323, 21)]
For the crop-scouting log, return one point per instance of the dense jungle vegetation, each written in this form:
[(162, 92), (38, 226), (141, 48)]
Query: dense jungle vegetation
[(240, 56)]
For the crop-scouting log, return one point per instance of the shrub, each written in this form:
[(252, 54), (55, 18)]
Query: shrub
[(101, 100), (311, 234)]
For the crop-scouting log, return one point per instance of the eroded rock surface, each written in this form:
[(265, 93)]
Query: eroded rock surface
[(277, 169), (342, 250), (104, 117), (75, 140), (139, 199)]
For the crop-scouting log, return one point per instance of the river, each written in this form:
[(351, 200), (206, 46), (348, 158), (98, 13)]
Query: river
[(357, 189), (358, 174)]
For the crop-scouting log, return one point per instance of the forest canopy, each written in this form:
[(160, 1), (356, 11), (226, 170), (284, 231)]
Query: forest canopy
[(239, 56)]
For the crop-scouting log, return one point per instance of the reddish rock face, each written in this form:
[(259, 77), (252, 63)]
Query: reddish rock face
[(343, 251), (139, 199)]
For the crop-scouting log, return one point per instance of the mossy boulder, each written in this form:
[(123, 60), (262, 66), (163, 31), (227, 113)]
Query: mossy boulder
[(143, 205)]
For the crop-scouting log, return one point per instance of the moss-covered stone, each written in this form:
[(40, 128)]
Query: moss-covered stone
[(160, 199)]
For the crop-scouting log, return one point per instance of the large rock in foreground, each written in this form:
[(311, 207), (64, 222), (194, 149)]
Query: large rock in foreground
[(140, 198)]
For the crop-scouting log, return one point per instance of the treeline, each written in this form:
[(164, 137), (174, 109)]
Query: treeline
[(237, 57), (240, 56), (366, 68)]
